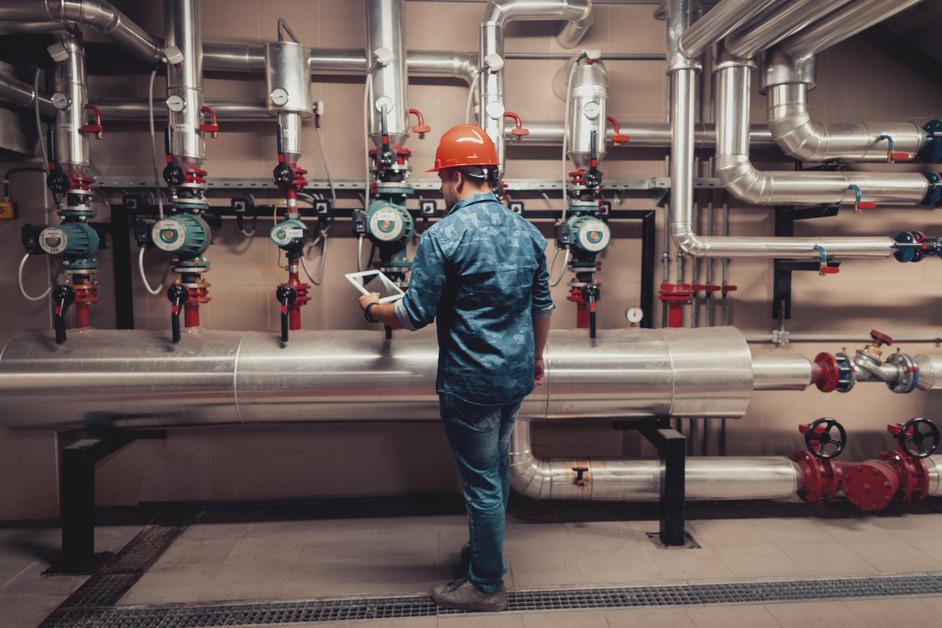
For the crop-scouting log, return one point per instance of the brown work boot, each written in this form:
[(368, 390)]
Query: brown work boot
[(463, 595)]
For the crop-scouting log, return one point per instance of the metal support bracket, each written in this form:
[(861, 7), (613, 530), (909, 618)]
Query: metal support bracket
[(785, 218)]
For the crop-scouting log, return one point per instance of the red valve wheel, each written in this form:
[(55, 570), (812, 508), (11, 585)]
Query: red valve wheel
[(879, 338)]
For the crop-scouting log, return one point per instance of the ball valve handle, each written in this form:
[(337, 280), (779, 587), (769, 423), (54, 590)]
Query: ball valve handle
[(286, 295), (212, 126), (893, 155), (820, 440), (177, 295), (618, 138), (421, 128), (826, 267), (518, 131), (95, 125), (62, 297), (918, 438), (859, 203)]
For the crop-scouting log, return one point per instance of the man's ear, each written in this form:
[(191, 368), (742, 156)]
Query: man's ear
[(459, 180)]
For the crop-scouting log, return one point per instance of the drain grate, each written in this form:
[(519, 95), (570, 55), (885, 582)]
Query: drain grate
[(346, 609)]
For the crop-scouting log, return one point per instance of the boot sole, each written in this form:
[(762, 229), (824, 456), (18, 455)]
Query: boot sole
[(481, 608)]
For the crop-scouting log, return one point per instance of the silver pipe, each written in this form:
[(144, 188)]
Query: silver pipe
[(798, 136), (642, 134), (14, 28), (719, 22), (588, 106), (385, 31), (133, 109), (935, 475), (787, 20), (185, 80), (288, 84), (71, 150), (140, 379), (781, 371), (497, 15), (842, 25), (460, 65), (706, 478), (97, 14), (837, 337), (21, 94), (930, 371)]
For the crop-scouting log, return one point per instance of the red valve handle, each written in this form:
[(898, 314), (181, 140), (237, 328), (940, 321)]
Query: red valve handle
[(879, 338), (421, 128), (828, 270), (864, 205), (518, 130), (95, 126), (619, 137), (213, 125), (894, 156)]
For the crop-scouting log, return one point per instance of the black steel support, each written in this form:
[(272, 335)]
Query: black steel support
[(785, 218), (648, 264), (122, 267)]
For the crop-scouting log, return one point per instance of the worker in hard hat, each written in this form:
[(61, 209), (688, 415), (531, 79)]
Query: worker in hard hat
[(480, 273)]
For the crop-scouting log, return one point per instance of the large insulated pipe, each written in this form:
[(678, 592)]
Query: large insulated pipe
[(706, 478), (588, 105), (846, 23), (288, 84), (497, 15), (642, 134), (719, 22), (185, 81), (387, 74), (788, 82), (71, 95), (789, 19), (97, 14), (21, 94), (141, 379)]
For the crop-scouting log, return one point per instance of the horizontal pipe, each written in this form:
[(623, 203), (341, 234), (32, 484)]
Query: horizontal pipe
[(21, 94), (780, 371), (719, 22), (787, 20), (133, 109), (779, 338), (641, 134)]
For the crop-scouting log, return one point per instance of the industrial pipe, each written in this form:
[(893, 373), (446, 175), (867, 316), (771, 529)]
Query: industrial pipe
[(185, 81), (642, 134), (71, 146), (385, 32), (719, 22), (785, 21), (22, 94), (97, 14)]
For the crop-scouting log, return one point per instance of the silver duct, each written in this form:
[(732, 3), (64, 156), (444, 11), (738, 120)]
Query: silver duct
[(133, 109), (787, 20), (497, 15), (842, 25), (140, 379), (288, 83), (588, 100), (385, 32), (185, 81), (71, 96), (719, 22), (788, 83), (97, 14), (642, 134), (781, 371), (22, 94)]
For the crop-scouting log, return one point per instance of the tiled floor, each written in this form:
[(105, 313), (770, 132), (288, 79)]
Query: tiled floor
[(256, 556)]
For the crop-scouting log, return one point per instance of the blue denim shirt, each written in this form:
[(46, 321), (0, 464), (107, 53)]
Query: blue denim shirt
[(481, 272)]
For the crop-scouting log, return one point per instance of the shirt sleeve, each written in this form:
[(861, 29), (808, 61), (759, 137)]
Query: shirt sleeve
[(542, 300), (420, 305)]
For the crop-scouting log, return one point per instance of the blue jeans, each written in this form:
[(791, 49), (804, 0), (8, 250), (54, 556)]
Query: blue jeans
[(480, 439)]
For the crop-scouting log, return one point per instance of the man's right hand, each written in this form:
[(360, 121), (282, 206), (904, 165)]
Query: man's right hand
[(539, 374)]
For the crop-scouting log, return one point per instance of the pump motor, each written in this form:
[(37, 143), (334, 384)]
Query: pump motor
[(389, 224), (184, 235)]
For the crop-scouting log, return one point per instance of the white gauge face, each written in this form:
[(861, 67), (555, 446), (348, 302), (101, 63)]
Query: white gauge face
[(634, 315), (168, 235), (53, 240), (283, 235), (384, 103), (176, 103), (279, 97), (60, 101), (591, 110), (386, 224), (594, 235), (494, 110)]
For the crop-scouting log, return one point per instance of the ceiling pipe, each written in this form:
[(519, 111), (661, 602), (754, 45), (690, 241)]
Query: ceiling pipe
[(497, 15), (788, 82), (96, 14), (842, 25), (789, 19), (719, 22), (21, 94)]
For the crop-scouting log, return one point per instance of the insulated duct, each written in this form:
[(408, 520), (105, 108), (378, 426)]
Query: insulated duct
[(720, 21), (588, 102), (71, 146), (642, 134), (21, 94), (185, 81), (789, 19), (386, 52)]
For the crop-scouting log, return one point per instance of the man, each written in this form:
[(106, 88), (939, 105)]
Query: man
[(480, 272)]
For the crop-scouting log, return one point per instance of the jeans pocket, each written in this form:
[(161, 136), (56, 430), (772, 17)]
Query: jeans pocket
[(469, 416)]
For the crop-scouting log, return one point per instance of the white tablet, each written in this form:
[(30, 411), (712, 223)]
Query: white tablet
[(370, 281)]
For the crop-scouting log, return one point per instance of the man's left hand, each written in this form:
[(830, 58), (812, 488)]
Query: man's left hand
[(366, 299)]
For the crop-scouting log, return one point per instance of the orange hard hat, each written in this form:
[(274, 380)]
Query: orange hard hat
[(464, 145)]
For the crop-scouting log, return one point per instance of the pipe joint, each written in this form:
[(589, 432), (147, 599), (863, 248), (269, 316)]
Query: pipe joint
[(777, 68)]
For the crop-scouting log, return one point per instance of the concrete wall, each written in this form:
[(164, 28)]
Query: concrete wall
[(242, 463)]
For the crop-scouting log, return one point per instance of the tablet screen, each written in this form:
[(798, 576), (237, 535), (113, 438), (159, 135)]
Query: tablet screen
[(375, 281)]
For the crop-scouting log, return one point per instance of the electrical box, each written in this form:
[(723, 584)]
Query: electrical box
[(428, 208), (516, 207), (7, 210)]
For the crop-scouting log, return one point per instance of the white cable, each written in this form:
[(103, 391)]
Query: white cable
[(19, 281), (367, 97), (39, 124), (472, 90), (320, 271), (153, 149), (140, 266), (562, 271), (320, 149), (359, 254)]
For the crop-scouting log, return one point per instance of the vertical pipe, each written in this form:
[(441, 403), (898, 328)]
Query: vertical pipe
[(385, 34), (71, 88), (185, 81)]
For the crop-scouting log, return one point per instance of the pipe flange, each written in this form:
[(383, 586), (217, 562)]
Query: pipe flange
[(871, 485), (777, 68), (908, 379), (846, 376)]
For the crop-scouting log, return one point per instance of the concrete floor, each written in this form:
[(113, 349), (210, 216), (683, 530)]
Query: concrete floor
[(256, 556)]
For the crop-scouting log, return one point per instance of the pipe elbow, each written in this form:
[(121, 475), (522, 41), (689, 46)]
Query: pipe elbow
[(527, 475), (574, 30), (687, 241), (741, 179)]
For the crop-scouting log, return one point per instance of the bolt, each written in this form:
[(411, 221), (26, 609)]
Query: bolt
[(866, 487), (886, 485)]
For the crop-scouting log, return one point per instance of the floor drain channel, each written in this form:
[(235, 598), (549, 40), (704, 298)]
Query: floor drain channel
[(346, 609)]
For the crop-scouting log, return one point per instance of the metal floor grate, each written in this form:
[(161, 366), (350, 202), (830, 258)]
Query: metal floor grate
[(346, 609)]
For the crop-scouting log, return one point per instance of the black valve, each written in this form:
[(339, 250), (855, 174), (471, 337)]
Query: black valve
[(62, 297), (590, 293), (286, 295), (919, 437), (580, 479), (57, 181), (819, 437), (283, 174), (173, 175), (177, 295), (593, 176)]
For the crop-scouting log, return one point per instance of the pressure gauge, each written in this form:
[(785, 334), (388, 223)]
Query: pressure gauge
[(591, 110), (279, 97), (634, 315), (384, 103), (60, 101), (176, 103), (494, 110)]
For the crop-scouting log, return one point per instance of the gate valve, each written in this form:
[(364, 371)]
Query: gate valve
[(892, 155), (918, 438), (819, 438), (421, 128), (62, 297), (859, 203), (518, 131), (57, 181), (286, 295), (618, 138), (283, 174), (95, 125), (178, 296), (826, 267), (212, 125), (878, 339)]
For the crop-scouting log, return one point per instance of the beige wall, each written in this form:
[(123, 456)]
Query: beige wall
[(856, 81)]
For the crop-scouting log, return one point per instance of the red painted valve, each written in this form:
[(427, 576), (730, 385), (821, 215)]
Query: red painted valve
[(212, 126), (820, 473), (95, 125), (421, 128), (518, 131), (618, 138), (880, 339)]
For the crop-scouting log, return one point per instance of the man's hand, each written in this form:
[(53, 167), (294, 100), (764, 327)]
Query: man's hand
[(366, 299), (539, 375)]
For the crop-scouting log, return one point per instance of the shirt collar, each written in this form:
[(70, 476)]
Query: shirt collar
[(471, 200)]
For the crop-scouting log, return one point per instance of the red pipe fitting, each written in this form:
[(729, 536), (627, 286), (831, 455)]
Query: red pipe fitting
[(518, 131), (86, 293), (825, 373), (618, 138), (421, 128), (875, 484), (212, 126), (191, 309), (95, 125), (302, 298), (820, 478)]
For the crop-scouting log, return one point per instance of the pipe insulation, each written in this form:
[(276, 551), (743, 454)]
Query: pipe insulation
[(71, 146), (386, 51), (719, 22), (139, 379), (185, 81), (21, 94), (789, 19)]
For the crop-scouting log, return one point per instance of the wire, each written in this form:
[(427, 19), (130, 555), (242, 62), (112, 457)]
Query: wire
[(359, 254), (367, 96), (153, 148), (323, 264), (472, 91), (283, 26), (320, 149), (562, 272), (6, 176), (19, 282), (140, 266)]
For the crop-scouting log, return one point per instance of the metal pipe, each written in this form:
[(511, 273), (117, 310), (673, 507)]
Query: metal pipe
[(133, 109), (386, 52), (14, 28), (842, 25), (21, 94), (588, 103), (497, 15), (789, 19), (707, 478), (185, 81), (642, 134), (780, 371), (778, 338), (719, 22), (140, 379), (97, 14), (71, 146)]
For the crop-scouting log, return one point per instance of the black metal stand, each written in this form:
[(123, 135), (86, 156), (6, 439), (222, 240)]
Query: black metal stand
[(671, 447), (77, 495), (785, 218)]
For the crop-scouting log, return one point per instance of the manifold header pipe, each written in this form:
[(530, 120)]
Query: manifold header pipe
[(719, 22)]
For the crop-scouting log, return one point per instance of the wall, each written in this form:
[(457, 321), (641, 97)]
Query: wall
[(242, 463)]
